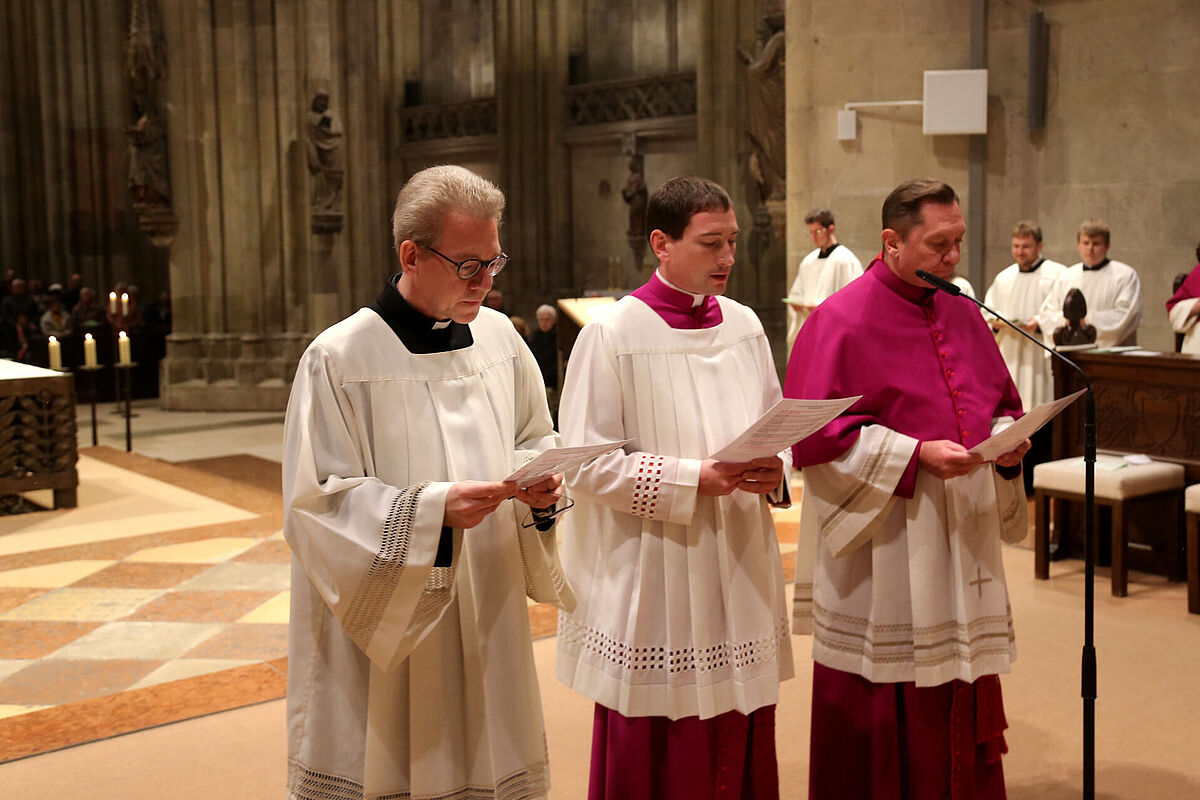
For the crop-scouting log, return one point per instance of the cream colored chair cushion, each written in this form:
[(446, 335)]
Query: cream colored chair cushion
[(1191, 499), (1126, 481)]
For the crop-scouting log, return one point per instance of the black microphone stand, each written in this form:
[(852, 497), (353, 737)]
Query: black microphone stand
[(1088, 674)]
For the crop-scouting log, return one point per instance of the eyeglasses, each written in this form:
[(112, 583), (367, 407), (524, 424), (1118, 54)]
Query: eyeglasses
[(470, 267), (532, 519)]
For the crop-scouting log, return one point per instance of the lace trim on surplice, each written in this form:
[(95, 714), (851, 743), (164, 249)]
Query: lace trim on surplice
[(530, 783), (375, 590), (724, 655)]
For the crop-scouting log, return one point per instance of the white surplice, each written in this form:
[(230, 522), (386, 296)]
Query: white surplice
[(965, 285), (1019, 296), (816, 280), (681, 606), (1114, 302), (907, 590), (406, 679), (1182, 322)]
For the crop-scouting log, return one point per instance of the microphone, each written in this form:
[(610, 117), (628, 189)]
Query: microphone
[(1088, 665), (949, 288), (943, 284)]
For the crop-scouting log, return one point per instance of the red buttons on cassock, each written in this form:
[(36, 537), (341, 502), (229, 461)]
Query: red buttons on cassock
[(961, 412)]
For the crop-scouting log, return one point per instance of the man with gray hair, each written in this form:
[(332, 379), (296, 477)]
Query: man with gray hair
[(411, 669)]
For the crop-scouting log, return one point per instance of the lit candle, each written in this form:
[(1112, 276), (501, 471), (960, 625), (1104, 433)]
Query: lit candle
[(123, 348), (124, 304), (89, 350), (55, 353), (112, 303)]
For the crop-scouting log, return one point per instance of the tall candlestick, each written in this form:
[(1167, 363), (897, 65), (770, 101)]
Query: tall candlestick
[(89, 350), (123, 348), (125, 304), (112, 303), (55, 353)]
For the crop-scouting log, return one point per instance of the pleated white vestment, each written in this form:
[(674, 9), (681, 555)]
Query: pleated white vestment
[(816, 280), (1019, 296), (1114, 302), (407, 680), (681, 608)]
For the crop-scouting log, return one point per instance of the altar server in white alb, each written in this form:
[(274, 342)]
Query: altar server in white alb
[(1111, 288), (822, 272), (1018, 293), (410, 669), (680, 635)]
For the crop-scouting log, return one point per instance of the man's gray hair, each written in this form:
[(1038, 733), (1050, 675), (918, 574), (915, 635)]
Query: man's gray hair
[(431, 193), (547, 307)]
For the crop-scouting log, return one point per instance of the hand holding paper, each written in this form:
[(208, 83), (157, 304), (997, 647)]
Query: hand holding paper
[(560, 459), (787, 422), (1011, 437)]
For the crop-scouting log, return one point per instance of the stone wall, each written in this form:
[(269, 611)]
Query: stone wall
[(64, 106), (1118, 142)]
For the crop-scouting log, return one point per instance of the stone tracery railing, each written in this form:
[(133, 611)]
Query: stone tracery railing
[(631, 99)]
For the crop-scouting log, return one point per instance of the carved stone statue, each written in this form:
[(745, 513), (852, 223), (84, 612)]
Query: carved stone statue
[(636, 196), (325, 159), (1076, 331), (765, 101), (148, 181)]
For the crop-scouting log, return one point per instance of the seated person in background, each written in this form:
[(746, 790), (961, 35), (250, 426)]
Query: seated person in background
[(1183, 309), (1111, 288), (56, 321), (87, 312)]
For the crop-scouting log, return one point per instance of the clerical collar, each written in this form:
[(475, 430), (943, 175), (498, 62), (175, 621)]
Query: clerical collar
[(825, 253), (678, 308), (416, 331), (1101, 265), (911, 293), (1032, 267), (697, 299)]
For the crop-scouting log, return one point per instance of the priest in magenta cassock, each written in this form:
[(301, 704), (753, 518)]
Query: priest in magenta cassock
[(1111, 288), (899, 575), (680, 634), (410, 668), (1183, 309)]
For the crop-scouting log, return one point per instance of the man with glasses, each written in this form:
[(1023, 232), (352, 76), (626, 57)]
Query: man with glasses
[(680, 635), (411, 670)]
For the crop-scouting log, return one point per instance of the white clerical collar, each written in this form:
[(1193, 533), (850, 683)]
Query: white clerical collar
[(442, 323), (697, 299)]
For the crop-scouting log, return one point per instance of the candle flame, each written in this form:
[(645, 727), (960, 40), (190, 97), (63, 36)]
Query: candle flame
[(87, 336)]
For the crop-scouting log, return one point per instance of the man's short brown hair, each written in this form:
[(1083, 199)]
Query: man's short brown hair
[(821, 216), (1028, 227), (902, 208), (673, 204), (1095, 228)]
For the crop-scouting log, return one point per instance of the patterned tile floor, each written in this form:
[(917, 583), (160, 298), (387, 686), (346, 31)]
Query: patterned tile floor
[(163, 596), (96, 605)]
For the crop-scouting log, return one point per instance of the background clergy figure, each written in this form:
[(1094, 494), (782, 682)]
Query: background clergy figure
[(899, 574), (1018, 293), (411, 667), (822, 272), (680, 635), (1111, 288), (1183, 309)]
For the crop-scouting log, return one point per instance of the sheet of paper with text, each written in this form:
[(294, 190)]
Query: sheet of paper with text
[(787, 422)]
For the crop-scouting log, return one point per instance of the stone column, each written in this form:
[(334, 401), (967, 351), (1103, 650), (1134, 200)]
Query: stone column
[(723, 156), (252, 282), (531, 72)]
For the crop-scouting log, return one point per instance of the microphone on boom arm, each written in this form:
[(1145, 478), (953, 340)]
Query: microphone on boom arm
[(1088, 670)]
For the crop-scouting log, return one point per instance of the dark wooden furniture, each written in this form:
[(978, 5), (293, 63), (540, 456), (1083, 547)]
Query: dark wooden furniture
[(37, 432), (1144, 404), (1123, 505)]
